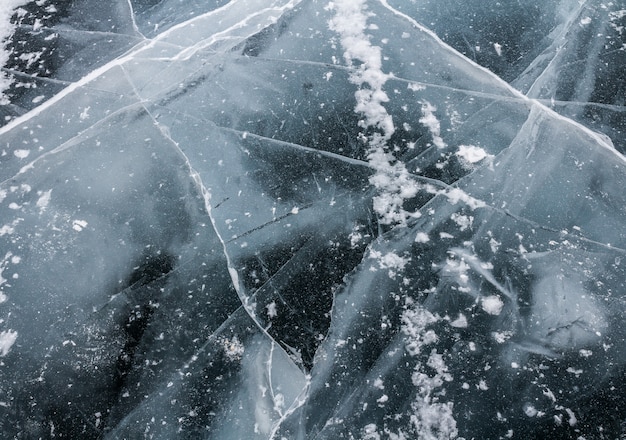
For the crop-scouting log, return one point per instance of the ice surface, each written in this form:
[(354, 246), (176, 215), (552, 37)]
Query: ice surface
[(307, 219)]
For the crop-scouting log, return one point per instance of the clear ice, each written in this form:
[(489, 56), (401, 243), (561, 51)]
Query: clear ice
[(301, 219)]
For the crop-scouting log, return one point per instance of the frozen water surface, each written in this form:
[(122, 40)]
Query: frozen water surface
[(313, 220)]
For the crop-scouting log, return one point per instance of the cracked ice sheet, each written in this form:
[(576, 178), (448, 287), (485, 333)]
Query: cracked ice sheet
[(502, 272)]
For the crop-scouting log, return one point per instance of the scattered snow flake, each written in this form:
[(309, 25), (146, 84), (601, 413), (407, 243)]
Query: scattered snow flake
[(21, 154), (502, 337), (422, 237), (271, 309), (370, 432), (492, 304), (6, 229), (7, 339), (574, 371), (355, 238), (233, 348), (498, 48), (456, 195), (494, 245), (79, 225), (549, 394), (44, 199), (430, 121), (390, 260), (472, 154), (585, 21), (530, 410), (415, 320), (85, 113), (463, 221), (460, 322), (572, 417)]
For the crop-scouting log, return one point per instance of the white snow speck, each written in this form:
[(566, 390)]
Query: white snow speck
[(38, 99), (585, 21), (7, 339)]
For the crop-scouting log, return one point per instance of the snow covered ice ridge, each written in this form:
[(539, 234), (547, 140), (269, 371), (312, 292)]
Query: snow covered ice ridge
[(283, 219)]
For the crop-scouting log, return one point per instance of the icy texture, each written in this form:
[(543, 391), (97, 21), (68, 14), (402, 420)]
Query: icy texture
[(307, 219)]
